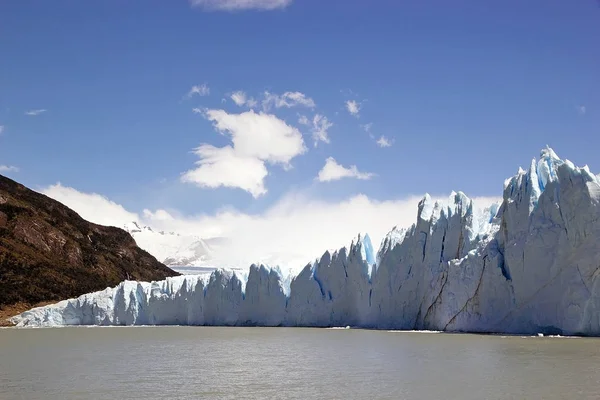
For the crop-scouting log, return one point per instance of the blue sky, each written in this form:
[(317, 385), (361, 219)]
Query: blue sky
[(465, 94)]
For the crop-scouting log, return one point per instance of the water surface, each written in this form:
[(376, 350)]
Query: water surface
[(291, 363)]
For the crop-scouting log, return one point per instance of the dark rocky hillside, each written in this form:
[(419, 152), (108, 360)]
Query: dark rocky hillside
[(49, 253)]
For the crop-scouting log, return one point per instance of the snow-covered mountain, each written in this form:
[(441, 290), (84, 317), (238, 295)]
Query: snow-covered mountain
[(173, 249), (530, 265)]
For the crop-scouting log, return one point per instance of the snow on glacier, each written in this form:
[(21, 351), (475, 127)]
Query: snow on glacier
[(530, 264)]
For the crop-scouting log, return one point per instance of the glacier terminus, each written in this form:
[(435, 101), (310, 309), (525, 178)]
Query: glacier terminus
[(528, 265)]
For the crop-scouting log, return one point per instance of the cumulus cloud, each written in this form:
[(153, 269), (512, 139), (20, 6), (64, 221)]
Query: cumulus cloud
[(319, 127), (384, 142), (8, 168), (91, 206), (223, 167), (332, 171), (353, 108), (284, 234), (241, 99), (199, 90), (240, 5), (33, 113), (287, 100), (259, 135), (257, 138)]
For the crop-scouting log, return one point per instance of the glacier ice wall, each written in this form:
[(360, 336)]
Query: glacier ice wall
[(528, 265)]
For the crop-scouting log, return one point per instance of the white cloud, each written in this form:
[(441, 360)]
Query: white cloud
[(257, 138), (319, 126), (223, 167), (332, 171), (259, 135), (384, 142), (200, 90), (288, 100), (303, 120), (239, 5), (582, 109), (33, 113), (91, 206), (240, 99), (1, 129), (8, 168), (353, 108), (284, 234)]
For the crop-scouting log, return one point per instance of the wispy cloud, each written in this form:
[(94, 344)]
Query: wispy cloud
[(33, 113), (332, 171), (240, 5), (384, 142), (257, 139), (581, 109), (353, 108), (319, 127), (368, 128), (1, 129), (199, 90), (8, 168), (241, 99), (287, 100), (303, 120)]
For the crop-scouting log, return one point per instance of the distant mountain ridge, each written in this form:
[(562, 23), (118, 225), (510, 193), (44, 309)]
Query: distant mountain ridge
[(174, 249), (48, 252)]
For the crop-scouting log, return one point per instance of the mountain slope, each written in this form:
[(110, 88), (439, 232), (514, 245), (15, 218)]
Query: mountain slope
[(48, 252)]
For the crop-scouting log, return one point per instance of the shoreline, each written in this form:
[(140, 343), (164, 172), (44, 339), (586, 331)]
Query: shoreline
[(327, 328)]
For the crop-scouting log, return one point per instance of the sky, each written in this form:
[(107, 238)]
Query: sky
[(317, 119)]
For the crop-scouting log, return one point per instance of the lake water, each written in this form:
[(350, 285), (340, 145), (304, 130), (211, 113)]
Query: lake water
[(291, 363)]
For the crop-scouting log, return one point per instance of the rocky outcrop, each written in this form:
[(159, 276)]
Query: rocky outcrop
[(48, 252)]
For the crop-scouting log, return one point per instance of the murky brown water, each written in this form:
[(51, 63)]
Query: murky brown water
[(289, 363)]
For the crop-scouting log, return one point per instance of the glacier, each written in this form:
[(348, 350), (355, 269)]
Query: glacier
[(528, 265)]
